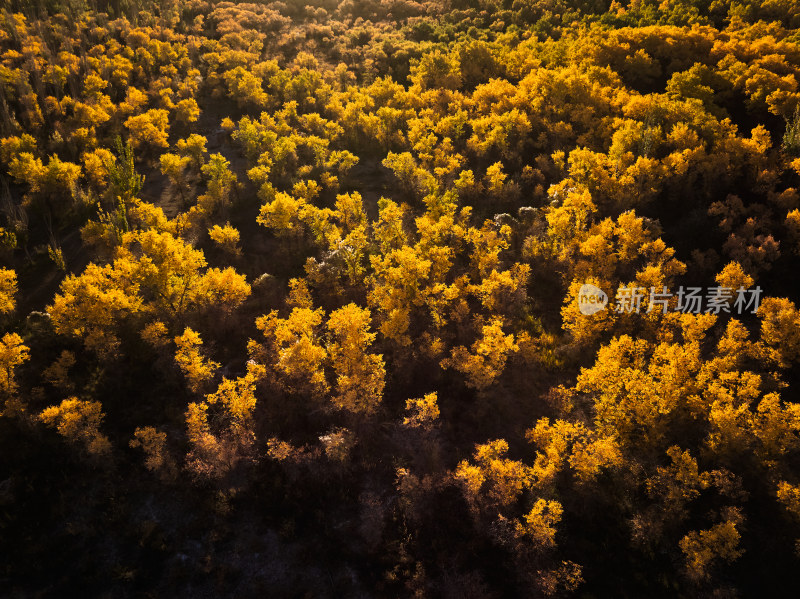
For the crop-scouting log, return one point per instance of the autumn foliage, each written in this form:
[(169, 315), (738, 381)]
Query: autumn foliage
[(290, 298)]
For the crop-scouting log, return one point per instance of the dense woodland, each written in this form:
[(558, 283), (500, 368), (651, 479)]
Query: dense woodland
[(289, 298)]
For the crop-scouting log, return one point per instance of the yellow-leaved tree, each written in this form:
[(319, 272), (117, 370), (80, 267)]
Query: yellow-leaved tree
[(13, 352), (220, 428), (8, 289), (359, 374), (293, 352), (483, 364), (154, 445), (154, 274), (79, 422), (198, 370)]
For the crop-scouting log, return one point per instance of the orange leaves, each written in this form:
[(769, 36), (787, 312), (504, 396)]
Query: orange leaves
[(246, 88), (57, 374), (780, 328), (56, 177), (299, 294), (500, 292), (350, 211), (564, 443), (338, 444), (789, 496), (79, 422), (633, 400), (360, 375), (223, 289), (397, 286), (174, 167), (298, 353), (95, 166), (221, 182), (8, 289), (413, 179), (643, 394), (437, 70), (494, 481), (734, 277), (153, 272), (590, 456), (227, 238), (484, 364), (197, 422), (422, 412), (193, 147), (703, 549), (13, 352), (505, 134), (679, 483), (494, 484), (539, 524), (13, 146), (488, 242), (342, 229), (169, 271), (149, 129), (154, 445), (90, 304), (227, 439), (197, 370), (569, 220), (237, 397), (187, 111), (282, 213), (294, 350), (608, 254), (161, 262), (776, 424)]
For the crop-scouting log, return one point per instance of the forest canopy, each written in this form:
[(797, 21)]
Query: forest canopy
[(295, 298)]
